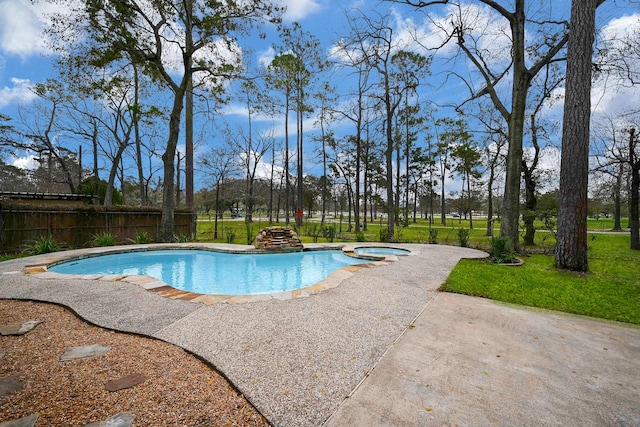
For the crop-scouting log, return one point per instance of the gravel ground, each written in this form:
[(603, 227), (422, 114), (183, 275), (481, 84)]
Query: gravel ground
[(295, 360), (179, 390)]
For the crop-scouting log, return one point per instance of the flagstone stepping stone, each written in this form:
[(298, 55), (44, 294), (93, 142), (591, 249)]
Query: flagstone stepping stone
[(19, 328), (125, 382), (9, 385), (28, 421), (83, 351), (122, 419)]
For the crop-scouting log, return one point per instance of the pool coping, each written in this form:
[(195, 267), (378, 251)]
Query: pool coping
[(163, 289)]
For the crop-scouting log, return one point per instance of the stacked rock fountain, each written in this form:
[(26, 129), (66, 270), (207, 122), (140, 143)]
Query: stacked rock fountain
[(277, 238)]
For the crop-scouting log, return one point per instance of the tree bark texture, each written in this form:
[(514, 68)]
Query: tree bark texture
[(168, 158), (634, 202), (571, 248), (389, 159), (617, 200), (510, 223), (529, 214)]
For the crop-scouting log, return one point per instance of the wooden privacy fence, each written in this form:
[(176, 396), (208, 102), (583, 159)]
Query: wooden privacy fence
[(75, 226)]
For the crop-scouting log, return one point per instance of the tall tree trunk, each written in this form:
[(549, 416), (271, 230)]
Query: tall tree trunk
[(96, 175), (469, 198), (286, 161), (415, 201), (443, 215), (407, 160), (273, 161), (571, 248), (136, 132), (462, 210), (389, 160), (179, 160), (367, 190), (300, 189), (634, 208), (529, 214), (108, 196), (79, 165), (217, 208), (324, 171), (350, 207), (398, 192), (168, 157), (188, 121), (432, 220), (406, 182), (248, 203), (356, 201), (188, 159), (617, 198), (510, 224), (490, 201)]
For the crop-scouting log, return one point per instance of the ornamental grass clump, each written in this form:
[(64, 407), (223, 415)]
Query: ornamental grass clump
[(43, 245), (142, 238), (463, 237), (103, 238), (433, 236)]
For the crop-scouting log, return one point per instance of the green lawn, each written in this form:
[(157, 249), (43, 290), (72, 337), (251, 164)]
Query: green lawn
[(416, 232), (611, 289)]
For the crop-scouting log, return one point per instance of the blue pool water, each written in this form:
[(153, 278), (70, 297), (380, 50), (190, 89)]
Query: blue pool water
[(208, 272), (381, 251)]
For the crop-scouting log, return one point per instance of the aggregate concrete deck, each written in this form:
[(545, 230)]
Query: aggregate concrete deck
[(439, 359)]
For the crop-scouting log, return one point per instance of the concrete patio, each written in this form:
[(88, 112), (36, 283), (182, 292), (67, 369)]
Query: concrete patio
[(382, 348)]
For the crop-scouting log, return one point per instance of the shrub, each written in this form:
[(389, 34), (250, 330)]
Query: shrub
[(314, 230), (360, 237), (433, 236), (43, 245), (463, 237), (398, 238), (384, 235), (329, 232), (103, 238), (501, 250)]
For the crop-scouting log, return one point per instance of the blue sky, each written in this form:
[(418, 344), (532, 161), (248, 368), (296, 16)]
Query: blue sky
[(24, 55)]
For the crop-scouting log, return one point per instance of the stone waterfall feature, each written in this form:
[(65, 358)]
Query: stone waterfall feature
[(277, 238)]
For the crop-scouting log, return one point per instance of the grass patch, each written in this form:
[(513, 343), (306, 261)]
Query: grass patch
[(611, 290)]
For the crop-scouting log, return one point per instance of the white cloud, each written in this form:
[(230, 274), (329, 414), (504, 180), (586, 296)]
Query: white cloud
[(265, 57), (611, 98), (611, 93), (21, 26), (28, 162), (478, 22), (622, 26), (432, 33), (20, 92), (298, 9), (240, 110)]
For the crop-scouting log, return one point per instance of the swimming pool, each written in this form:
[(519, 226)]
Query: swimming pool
[(210, 272), (380, 250)]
